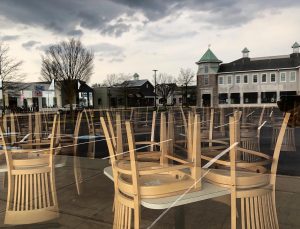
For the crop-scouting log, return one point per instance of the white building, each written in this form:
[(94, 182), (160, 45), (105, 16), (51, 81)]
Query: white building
[(254, 81)]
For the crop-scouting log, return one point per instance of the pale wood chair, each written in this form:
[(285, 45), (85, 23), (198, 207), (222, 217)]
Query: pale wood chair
[(134, 180), (258, 207), (76, 159), (31, 194), (289, 143), (38, 137), (116, 130), (251, 173)]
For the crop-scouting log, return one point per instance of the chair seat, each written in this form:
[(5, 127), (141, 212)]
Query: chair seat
[(155, 185), (244, 179), (147, 156), (158, 185)]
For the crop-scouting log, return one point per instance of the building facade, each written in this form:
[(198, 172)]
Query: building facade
[(43, 95), (248, 81), (130, 93)]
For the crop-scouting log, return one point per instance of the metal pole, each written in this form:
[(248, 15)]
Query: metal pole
[(155, 87)]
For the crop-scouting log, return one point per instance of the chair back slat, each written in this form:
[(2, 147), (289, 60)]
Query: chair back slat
[(31, 194)]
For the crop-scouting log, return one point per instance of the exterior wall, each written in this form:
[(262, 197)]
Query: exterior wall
[(211, 87), (260, 86), (101, 97)]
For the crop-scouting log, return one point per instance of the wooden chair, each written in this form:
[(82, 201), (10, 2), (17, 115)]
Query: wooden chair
[(150, 153), (31, 194), (91, 145), (76, 159), (258, 208), (289, 143), (37, 138), (250, 174), (134, 180)]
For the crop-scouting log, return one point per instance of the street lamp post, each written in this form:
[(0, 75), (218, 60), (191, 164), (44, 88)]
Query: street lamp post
[(155, 87), (109, 97)]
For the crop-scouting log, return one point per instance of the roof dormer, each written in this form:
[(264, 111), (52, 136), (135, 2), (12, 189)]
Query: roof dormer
[(245, 52)]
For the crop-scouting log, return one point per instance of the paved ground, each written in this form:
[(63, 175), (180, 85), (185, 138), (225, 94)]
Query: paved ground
[(93, 208)]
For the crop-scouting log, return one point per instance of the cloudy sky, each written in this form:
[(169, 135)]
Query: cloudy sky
[(129, 36)]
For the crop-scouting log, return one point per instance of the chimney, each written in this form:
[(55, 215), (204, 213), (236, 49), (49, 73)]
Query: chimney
[(245, 52)]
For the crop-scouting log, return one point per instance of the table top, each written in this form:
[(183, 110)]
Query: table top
[(208, 191), (87, 137)]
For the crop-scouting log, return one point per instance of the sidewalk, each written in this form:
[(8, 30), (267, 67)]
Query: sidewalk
[(93, 208)]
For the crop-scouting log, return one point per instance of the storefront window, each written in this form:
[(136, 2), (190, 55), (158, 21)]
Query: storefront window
[(223, 98), (91, 99), (268, 97), (235, 98), (250, 97)]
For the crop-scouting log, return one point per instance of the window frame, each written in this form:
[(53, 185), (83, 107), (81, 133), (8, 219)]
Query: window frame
[(236, 77), (262, 74), (271, 77), (206, 69), (229, 77), (245, 76), (205, 80), (221, 80), (281, 81), (290, 78), (256, 78)]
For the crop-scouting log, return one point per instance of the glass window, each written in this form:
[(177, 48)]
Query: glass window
[(205, 80), (245, 78), (44, 102), (221, 80), (268, 97), (54, 101), (91, 99), (223, 98), (250, 97), (293, 77), (206, 69), (254, 79), (273, 77), (237, 79), (264, 78), (282, 77), (235, 98), (229, 80)]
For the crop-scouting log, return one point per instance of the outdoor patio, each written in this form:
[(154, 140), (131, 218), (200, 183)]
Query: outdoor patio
[(86, 194), (93, 208)]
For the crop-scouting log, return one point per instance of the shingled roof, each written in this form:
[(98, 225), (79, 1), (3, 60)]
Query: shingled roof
[(247, 64), (134, 83)]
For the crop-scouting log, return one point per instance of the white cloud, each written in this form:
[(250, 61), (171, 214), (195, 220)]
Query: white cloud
[(167, 43)]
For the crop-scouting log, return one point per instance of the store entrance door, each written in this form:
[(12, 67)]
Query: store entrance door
[(35, 103), (206, 100)]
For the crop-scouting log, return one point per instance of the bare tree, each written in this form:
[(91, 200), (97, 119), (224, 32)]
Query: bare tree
[(9, 70), (186, 78), (112, 79), (67, 63), (166, 85), (94, 85), (124, 83)]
